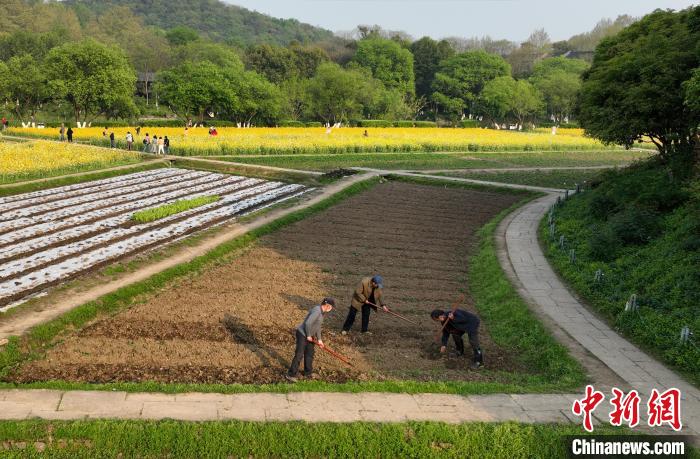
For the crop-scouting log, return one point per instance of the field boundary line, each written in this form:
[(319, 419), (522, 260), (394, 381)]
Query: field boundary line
[(80, 174), (21, 323), (460, 179), (244, 165), (522, 169)]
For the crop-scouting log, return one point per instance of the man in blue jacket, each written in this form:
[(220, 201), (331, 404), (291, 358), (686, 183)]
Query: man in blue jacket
[(460, 322), (306, 333)]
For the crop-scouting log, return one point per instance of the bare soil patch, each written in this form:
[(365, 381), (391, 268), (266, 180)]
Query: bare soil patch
[(418, 237)]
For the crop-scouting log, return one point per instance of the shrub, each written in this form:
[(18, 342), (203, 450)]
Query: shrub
[(469, 124), (290, 123), (635, 225), (416, 124), (601, 206), (603, 244), (374, 123), (314, 124)]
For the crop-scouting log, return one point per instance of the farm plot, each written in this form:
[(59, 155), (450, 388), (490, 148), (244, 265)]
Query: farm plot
[(418, 237), (50, 236)]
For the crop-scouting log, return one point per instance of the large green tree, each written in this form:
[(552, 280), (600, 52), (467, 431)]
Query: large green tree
[(389, 63), (92, 77), (26, 86), (461, 78), (634, 87), (427, 55), (336, 94), (558, 79), (504, 98)]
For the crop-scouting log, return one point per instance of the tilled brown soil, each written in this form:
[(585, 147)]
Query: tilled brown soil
[(419, 238)]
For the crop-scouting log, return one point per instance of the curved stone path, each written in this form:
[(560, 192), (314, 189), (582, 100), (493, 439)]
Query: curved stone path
[(536, 281)]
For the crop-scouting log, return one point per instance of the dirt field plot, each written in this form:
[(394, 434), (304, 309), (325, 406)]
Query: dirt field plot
[(50, 236), (418, 237)]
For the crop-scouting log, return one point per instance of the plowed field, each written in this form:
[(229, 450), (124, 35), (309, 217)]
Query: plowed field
[(419, 238)]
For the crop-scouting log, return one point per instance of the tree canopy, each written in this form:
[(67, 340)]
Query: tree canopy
[(389, 63), (634, 88)]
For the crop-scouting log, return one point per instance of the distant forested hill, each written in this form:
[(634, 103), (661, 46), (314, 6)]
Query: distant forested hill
[(218, 21)]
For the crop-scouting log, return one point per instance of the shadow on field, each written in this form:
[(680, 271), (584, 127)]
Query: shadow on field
[(243, 334)]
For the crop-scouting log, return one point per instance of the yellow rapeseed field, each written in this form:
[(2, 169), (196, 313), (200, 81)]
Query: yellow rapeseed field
[(36, 159), (197, 141)]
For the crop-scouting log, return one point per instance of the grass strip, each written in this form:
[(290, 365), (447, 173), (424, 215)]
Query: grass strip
[(109, 438), (65, 181), (157, 213), (495, 297)]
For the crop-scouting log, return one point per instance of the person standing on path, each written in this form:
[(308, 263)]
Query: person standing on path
[(146, 143), (62, 133), (166, 145), (367, 296), (460, 322), (161, 146), (306, 333), (112, 142), (129, 141), (69, 133), (154, 144), (4, 123)]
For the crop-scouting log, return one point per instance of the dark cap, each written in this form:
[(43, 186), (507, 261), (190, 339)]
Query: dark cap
[(377, 279), (329, 300), (437, 313)]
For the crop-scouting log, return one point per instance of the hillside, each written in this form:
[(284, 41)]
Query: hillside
[(212, 18)]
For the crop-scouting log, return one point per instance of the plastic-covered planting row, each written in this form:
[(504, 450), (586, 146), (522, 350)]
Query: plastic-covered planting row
[(55, 201), (34, 281), (121, 215), (70, 190), (27, 209), (211, 179), (42, 258), (103, 214)]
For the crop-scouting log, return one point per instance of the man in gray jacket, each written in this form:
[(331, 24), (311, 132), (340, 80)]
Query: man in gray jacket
[(306, 333)]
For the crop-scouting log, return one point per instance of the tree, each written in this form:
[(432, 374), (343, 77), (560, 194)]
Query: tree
[(295, 101), (22, 42), (191, 89), (251, 97), (461, 78), (427, 55), (26, 86), (558, 79), (200, 51), (92, 77), (505, 97), (389, 63), (635, 86), (4, 80), (692, 92), (180, 36), (337, 94), (307, 59), (148, 51), (274, 62)]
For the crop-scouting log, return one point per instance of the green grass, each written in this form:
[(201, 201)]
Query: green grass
[(564, 179), (157, 213), (661, 265), (53, 183), (150, 439), (494, 296), (419, 160)]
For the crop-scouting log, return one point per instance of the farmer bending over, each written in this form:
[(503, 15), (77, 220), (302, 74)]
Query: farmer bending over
[(459, 323), (306, 333), (368, 294)]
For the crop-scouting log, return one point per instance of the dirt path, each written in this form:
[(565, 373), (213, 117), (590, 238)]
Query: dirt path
[(245, 165), (517, 169), (22, 321)]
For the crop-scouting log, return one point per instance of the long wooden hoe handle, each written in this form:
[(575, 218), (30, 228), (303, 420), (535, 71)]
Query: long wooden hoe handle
[(394, 314), (340, 357)]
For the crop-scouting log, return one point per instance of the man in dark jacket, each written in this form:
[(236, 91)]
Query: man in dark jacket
[(460, 322), (306, 333), (367, 295)]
